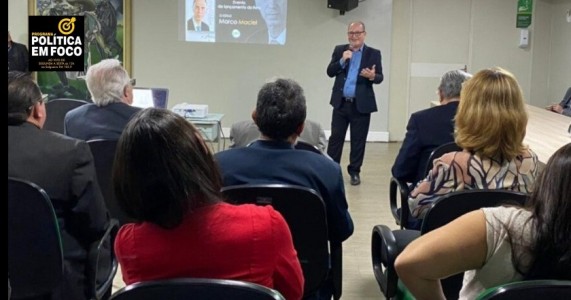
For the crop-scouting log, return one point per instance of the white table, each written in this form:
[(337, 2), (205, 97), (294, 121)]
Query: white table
[(546, 131)]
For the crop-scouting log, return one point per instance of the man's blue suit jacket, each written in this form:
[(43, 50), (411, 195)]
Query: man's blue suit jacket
[(91, 122), (278, 162), (426, 130)]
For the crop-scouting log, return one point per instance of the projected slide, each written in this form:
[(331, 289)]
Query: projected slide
[(236, 21)]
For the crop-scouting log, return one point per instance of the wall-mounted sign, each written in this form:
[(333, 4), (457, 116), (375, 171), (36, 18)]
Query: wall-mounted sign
[(524, 8), (56, 43)]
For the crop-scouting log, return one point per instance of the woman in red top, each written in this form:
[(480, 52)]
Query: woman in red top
[(165, 177)]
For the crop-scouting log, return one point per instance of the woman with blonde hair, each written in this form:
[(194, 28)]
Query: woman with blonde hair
[(489, 127)]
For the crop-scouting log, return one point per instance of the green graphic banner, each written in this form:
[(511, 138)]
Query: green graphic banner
[(524, 8)]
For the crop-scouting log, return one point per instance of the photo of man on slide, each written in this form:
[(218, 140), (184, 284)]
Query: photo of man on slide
[(274, 13), (196, 22)]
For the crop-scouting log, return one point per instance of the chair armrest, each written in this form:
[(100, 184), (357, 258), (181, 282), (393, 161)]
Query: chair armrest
[(386, 245), (337, 269), (384, 252), (402, 216), (106, 264)]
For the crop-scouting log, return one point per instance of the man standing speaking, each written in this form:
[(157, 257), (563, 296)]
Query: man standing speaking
[(355, 67)]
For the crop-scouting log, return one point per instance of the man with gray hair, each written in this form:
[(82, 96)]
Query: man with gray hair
[(112, 92), (428, 129)]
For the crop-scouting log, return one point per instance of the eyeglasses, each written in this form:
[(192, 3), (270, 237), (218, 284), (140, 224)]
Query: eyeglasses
[(29, 109), (355, 33), (133, 81)]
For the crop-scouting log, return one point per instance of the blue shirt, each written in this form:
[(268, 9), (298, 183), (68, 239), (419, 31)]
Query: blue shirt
[(352, 73)]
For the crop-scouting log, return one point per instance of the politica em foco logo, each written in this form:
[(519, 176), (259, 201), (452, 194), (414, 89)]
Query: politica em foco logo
[(56, 43)]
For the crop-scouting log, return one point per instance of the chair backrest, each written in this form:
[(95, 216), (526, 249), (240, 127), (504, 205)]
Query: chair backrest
[(35, 257), (402, 213), (451, 206), (56, 110), (196, 288), (529, 290), (103, 156), (438, 152), (301, 145), (304, 211)]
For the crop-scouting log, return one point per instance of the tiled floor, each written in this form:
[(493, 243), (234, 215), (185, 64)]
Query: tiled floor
[(369, 205)]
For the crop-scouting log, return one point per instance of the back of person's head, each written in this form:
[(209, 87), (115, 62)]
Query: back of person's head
[(280, 109), (163, 169), (23, 94), (106, 81), (451, 83), (491, 117), (550, 202)]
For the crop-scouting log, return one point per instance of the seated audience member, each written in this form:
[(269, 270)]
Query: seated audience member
[(280, 115), (490, 127), (244, 132), (165, 177), (17, 56), (428, 129), (563, 107), (498, 245), (112, 93), (64, 168)]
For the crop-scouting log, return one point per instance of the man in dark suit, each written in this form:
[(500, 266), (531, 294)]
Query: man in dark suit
[(64, 168), (17, 56), (428, 129), (112, 93), (195, 23), (563, 107), (356, 67)]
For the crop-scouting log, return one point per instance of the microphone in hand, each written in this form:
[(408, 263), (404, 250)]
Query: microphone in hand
[(347, 54)]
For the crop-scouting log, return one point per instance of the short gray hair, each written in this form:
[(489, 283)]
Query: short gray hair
[(451, 83), (106, 81)]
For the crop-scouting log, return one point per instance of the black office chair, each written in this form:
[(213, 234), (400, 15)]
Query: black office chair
[(35, 257), (103, 156), (35, 253), (304, 211), (301, 145), (401, 212), (196, 289), (56, 110), (529, 290), (106, 264), (387, 244), (438, 152)]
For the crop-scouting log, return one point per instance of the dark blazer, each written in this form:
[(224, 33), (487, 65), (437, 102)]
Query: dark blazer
[(190, 26), (566, 103), (64, 168), (18, 58), (91, 122), (426, 130), (278, 162), (366, 102)]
